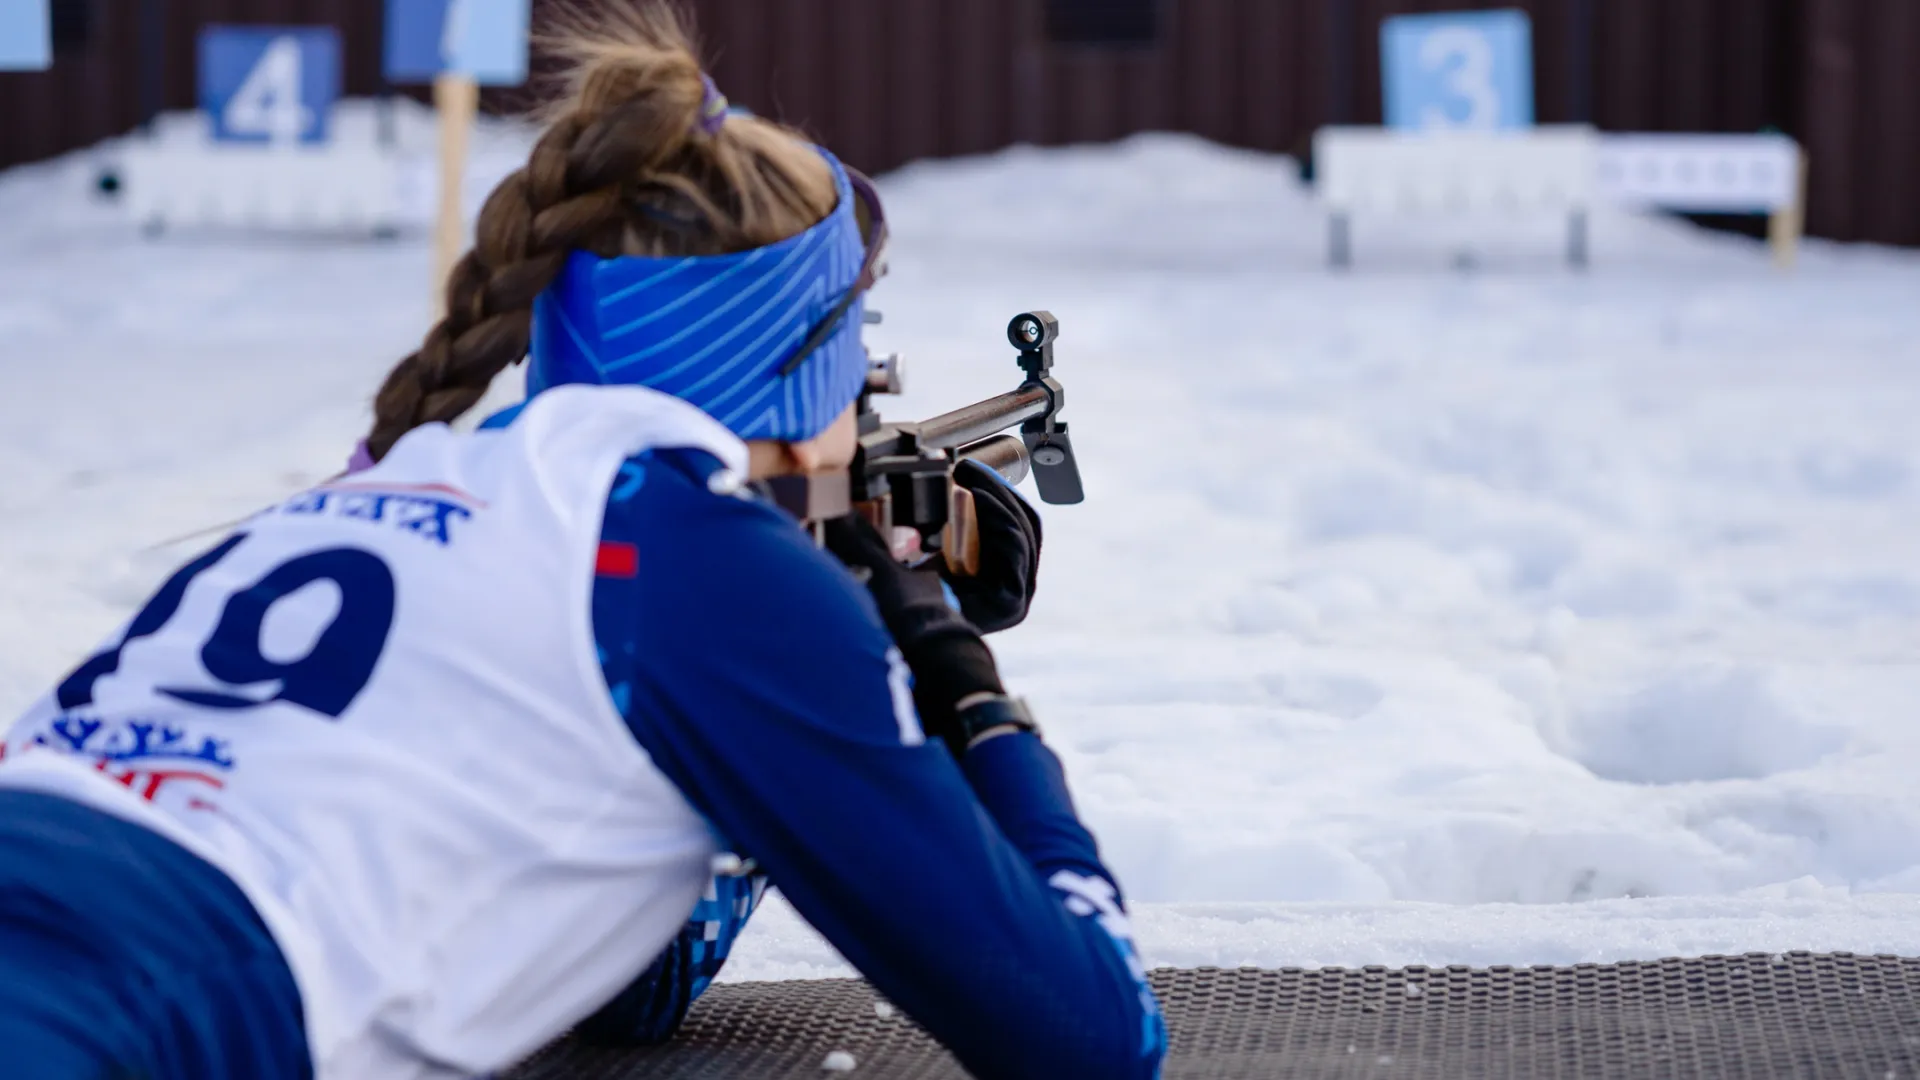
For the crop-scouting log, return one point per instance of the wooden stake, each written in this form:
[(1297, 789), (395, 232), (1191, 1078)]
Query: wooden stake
[(457, 99), (1787, 224)]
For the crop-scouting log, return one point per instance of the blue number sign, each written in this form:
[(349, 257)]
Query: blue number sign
[(1464, 69), (26, 35), (486, 39), (269, 84)]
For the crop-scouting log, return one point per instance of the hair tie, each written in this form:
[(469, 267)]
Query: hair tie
[(713, 106)]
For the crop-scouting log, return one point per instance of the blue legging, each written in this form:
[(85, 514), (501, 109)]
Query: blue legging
[(123, 955)]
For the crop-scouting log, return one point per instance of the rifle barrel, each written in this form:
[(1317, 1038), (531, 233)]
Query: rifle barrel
[(971, 423), (1004, 454)]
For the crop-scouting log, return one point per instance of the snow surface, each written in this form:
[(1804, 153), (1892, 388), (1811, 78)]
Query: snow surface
[(1457, 609)]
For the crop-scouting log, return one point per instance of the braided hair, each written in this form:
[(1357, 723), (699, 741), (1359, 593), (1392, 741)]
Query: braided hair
[(624, 167)]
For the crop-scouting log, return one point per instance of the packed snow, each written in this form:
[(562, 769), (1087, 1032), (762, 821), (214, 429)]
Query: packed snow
[(1460, 608)]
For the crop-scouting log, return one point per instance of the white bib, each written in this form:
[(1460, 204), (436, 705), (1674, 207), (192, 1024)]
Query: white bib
[(380, 711)]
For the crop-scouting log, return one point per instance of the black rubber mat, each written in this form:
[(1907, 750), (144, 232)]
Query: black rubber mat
[(1795, 1015)]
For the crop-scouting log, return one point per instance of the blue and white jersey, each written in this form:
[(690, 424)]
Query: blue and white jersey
[(378, 708), (469, 727)]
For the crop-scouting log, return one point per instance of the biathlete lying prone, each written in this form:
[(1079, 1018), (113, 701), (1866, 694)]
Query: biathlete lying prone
[(428, 765)]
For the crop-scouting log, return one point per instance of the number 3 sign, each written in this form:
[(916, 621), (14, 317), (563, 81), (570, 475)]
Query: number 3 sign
[(1458, 70), (269, 84)]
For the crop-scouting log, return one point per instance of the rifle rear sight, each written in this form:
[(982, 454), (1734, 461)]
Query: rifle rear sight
[(902, 473)]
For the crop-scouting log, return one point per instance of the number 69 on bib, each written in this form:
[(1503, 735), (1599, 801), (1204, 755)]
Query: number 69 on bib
[(1470, 70), (265, 84)]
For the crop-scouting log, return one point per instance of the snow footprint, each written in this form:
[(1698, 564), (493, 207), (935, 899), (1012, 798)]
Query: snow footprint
[(1333, 693), (1700, 726)]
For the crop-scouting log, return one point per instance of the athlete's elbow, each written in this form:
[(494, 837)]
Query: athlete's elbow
[(1082, 1062), (1128, 1062), (1068, 1037), (1129, 1049)]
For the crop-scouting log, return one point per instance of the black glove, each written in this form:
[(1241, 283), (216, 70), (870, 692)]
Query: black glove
[(999, 595), (943, 650)]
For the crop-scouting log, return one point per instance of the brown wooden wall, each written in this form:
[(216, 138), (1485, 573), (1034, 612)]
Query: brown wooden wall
[(888, 81)]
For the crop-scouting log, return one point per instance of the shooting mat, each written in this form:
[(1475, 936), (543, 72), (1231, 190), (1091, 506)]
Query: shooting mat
[(1790, 1015)]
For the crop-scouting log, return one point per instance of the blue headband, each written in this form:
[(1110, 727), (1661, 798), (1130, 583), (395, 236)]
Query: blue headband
[(716, 330)]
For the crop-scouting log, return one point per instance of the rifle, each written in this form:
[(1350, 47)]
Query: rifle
[(902, 473)]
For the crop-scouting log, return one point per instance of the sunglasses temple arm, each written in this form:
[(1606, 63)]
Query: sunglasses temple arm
[(870, 271), (821, 332)]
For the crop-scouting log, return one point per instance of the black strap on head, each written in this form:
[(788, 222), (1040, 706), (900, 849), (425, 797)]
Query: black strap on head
[(871, 270)]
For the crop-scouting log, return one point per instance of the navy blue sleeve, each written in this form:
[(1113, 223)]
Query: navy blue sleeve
[(756, 673)]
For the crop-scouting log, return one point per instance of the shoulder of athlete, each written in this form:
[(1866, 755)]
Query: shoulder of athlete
[(741, 593), (703, 524)]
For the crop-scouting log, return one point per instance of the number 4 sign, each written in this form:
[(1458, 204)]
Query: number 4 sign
[(269, 84), (1455, 70)]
